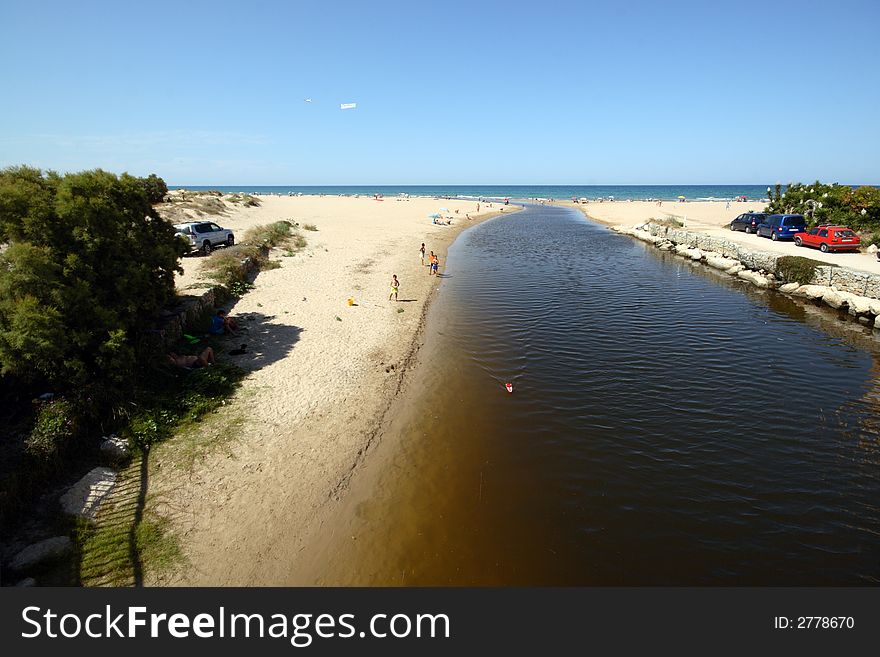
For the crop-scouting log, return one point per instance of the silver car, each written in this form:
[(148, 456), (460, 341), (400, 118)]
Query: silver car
[(204, 236)]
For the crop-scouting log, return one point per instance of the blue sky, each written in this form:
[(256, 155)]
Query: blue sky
[(447, 92)]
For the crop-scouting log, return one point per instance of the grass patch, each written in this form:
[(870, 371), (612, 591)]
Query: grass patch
[(269, 235), (311, 227), (231, 267), (669, 222), (116, 552), (127, 541), (176, 400), (246, 200), (797, 269)]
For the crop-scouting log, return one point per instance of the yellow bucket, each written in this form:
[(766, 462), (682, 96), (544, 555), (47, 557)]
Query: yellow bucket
[(350, 301)]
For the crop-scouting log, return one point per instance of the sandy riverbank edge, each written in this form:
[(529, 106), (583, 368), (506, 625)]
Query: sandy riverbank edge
[(245, 512)]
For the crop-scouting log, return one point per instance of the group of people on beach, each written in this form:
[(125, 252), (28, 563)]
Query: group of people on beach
[(433, 264), (433, 261), (221, 324)]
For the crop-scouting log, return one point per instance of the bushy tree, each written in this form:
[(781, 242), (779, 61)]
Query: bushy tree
[(830, 204), (155, 188), (85, 266)]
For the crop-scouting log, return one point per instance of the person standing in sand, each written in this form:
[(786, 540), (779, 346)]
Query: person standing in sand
[(430, 262), (422, 254), (435, 264), (395, 284)]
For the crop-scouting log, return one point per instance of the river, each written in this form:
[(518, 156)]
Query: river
[(668, 426)]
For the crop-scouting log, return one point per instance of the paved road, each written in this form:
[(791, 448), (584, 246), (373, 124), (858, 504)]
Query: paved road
[(862, 261)]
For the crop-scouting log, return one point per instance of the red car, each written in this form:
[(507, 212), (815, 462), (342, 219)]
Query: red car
[(829, 238)]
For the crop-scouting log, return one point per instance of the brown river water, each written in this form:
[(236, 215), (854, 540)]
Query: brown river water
[(668, 426)]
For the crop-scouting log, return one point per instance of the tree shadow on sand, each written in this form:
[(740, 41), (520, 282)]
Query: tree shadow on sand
[(126, 541), (266, 339)]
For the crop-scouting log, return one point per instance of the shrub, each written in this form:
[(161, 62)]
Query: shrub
[(180, 400), (226, 266), (54, 430), (269, 235), (87, 267), (311, 227), (155, 188), (829, 204), (797, 269)]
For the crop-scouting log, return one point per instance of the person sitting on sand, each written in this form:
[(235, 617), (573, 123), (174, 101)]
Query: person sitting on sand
[(395, 284), (221, 324), (192, 362)]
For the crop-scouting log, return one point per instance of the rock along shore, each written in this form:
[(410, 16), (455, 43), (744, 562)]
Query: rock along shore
[(838, 287)]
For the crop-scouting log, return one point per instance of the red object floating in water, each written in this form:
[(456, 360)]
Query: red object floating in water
[(509, 387)]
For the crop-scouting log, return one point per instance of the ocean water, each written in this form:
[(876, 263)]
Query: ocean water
[(669, 425), (560, 192)]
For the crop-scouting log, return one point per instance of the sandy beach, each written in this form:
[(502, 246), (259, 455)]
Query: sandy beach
[(322, 377), (713, 217)]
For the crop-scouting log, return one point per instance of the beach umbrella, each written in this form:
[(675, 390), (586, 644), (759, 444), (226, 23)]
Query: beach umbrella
[(433, 216), (444, 209), (681, 197)]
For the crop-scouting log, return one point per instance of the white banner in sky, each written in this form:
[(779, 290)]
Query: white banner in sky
[(348, 106)]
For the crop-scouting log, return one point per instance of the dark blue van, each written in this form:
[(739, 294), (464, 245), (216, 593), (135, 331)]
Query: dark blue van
[(782, 226)]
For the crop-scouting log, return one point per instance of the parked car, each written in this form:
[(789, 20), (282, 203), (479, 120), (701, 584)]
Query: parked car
[(782, 226), (205, 235), (748, 222), (830, 238)]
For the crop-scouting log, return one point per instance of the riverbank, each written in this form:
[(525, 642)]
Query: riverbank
[(712, 218), (563, 481), (322, 377)]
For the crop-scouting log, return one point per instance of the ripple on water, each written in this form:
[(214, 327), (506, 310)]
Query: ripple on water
[(668, 426)]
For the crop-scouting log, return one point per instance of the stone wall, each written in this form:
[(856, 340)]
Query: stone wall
[(841, 278)]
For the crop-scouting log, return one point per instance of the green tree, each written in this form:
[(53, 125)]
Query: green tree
[(830, 204), (85, 267)]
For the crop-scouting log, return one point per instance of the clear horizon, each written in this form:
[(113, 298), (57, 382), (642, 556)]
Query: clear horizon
[(208, 92)]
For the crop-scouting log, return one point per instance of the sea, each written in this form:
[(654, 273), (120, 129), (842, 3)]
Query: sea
[(559, 192), (668, 425)]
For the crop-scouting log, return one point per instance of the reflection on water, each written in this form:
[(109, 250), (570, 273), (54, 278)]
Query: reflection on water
[(668, 426)]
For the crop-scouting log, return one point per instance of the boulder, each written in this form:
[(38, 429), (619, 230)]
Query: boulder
[(812, 291), (872, 248), (115, 450), (682, 249), (52, 549), (694, 254), (859, 305), (85, 496), (754, 277), (789, 288), (834, 299)]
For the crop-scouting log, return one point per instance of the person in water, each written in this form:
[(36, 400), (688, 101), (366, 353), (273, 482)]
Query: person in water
[(395, 284)]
